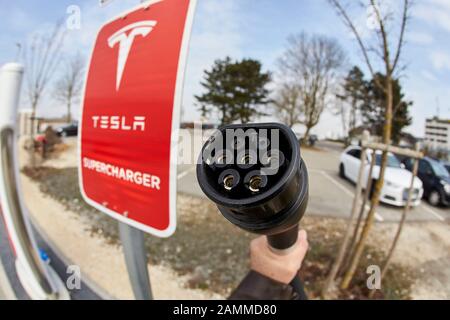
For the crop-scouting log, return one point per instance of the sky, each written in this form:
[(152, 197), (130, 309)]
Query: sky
[(255, 29)]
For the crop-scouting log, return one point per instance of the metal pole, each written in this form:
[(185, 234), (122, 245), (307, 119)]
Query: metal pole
[(35, 274), (12, 203), (136, 261)]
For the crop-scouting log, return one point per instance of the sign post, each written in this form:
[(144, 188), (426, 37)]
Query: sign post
[(136, 260), (130, 111)]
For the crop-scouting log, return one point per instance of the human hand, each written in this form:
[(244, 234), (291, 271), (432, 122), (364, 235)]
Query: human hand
[(279, 267)]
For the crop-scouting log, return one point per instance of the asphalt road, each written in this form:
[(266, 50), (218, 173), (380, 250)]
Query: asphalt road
[(330, 196)]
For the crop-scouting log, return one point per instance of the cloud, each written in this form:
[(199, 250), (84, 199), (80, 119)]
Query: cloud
[(444, 4), (440, 60), (428, 75), (425, 94), (420, 38), (435, 13)]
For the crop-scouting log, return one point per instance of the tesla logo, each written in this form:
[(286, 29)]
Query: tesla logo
[(125, 38), (119, 123)]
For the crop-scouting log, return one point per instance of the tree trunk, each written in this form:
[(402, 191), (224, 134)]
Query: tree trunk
[(377, 192), (69, 113), (32, 155), (291, 119), (353, 242), (224, 119), (306, 136), (400, 227)]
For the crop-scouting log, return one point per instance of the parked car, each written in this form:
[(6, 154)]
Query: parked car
[(397, 179), (447, 166), (70, 130), (436, 180), (313, 138)]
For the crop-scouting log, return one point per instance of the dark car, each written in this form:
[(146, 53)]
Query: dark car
[(447, 166), (312, 139), (70, 130), (436, 180)]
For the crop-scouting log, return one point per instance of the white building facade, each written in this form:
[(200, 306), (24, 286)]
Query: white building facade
[(437, 134)]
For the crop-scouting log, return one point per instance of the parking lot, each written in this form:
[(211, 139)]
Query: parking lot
[(330, 196)]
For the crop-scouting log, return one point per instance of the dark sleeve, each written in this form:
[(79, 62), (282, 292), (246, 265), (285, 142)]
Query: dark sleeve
[(256, 286)]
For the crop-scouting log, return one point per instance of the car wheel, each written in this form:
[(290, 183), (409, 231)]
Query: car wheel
[(63, 134), (342, 171), (434, 198)]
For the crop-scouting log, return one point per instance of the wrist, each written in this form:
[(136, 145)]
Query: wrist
[(277, 274)]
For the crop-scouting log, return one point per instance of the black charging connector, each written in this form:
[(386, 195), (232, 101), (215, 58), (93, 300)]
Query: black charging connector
[(254, 173)]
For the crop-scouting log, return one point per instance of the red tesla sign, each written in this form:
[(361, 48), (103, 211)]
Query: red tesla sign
[(131, 107)]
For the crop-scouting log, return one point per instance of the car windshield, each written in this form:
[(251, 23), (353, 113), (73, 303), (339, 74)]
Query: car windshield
[(392, 161), (439, 169)]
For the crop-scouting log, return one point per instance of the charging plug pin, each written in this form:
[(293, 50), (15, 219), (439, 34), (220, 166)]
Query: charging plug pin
[(229, 179), (228, 182), (255, 181)]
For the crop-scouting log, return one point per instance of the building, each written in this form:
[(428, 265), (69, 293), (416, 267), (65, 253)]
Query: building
[(437, 134)]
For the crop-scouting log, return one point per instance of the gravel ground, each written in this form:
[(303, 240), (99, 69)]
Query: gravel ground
[(205, 246), (211, 252)]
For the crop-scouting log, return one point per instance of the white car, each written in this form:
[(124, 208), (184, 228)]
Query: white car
[(397, 179)]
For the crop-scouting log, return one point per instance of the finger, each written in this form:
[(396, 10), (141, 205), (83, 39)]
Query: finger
[(303, 235), (302, 243)]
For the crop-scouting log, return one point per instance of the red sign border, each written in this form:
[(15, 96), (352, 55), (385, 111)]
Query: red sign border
[(175, 129)]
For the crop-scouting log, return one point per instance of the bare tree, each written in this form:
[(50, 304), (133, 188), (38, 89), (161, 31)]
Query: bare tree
[(386, 51), (310, 66), (42, 55), (350, 97), (68, 88), (287, 104)]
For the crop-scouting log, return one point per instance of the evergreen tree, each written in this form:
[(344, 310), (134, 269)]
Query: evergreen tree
[(236, 90), (354, 93), (373, 109)]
